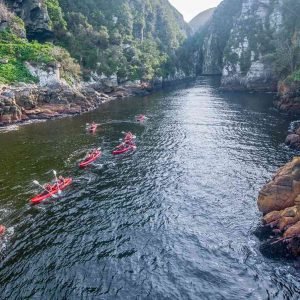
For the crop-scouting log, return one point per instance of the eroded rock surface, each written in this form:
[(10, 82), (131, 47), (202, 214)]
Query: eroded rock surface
[(30, 101), (282, 190), (279, 200)]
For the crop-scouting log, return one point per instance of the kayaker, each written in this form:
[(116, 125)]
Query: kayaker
[(2, 230), (92, 152), (128, 142), (128, 136), (61, 180), (48, 187), (121, 146)]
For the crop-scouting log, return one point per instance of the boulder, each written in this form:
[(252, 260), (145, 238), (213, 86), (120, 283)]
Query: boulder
[(282, 190), (293, 140)]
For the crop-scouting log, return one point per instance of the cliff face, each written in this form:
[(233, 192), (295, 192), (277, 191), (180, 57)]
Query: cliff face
[(35, 15), (251, 40), (217, 36), (252, 43), (130, 39), (198, 22), (92, 46)]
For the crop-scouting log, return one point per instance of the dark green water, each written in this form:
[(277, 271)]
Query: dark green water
[(173, 220)]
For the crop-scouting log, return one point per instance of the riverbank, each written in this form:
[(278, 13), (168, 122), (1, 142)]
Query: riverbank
[(24, 102)]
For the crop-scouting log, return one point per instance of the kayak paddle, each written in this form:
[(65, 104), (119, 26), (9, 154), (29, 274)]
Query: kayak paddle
[(37, 183), (55, 175)]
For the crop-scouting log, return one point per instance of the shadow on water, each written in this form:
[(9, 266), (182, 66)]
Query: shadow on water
[(173, 220)]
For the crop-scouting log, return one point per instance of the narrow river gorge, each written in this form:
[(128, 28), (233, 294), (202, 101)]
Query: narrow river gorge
[(173, 220)]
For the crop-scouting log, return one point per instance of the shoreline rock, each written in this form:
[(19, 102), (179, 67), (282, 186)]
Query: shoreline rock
[(288, 97), (279, 201), (19, 104), (293, 138)]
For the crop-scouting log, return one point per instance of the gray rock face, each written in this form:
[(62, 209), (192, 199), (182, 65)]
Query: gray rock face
[(244, 63), (198, 22), (239, 42), (35, 16), (217, 36)]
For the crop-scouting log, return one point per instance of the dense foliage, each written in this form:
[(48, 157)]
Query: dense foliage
[(134, 39), (15, 51)]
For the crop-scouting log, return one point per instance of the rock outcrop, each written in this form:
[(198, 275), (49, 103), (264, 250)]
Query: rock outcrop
[(246, 42), (244, 63), (288, 97), (279, 200), (217, 36), (282, 190), (35, 16), (31, 102)]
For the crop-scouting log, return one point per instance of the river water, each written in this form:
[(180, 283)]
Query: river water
[(174, 220)]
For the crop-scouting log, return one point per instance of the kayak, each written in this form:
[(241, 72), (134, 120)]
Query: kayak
[(140, 118), (124, 149), (54, 190), (2, 230), (92, 157), (93, 128), (129, 137)]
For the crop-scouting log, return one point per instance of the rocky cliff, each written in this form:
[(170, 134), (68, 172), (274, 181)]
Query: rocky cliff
[(252, 43), (35, 15), (217, 36), (65, 57), (129, 39), (198, 22)]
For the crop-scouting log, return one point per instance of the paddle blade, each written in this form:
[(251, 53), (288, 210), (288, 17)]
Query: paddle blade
[(36, 182), (54, 172)]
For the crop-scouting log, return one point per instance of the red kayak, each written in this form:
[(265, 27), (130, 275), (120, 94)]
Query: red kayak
[(93, 128), (123, 149), (92, 157), (140, 118), (128, 137), (54, 190)]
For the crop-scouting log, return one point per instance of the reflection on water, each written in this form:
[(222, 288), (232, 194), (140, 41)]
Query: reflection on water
[(172, 220)]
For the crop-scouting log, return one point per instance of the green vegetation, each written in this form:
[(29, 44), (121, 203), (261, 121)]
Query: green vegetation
[(287, 43), (15, 51), (56, 15), (15, 71), (133, 39), (294, 77)]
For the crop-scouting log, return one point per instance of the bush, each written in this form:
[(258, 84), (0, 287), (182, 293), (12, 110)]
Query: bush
[(56, 14), (15, 71), (18, 51)]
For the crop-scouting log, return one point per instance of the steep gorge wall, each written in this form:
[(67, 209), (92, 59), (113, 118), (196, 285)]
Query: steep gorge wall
[(251, 40), (247, 41), (217, 36), (130, 39)]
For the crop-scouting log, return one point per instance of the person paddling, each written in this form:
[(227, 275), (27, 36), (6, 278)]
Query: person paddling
[(48, 187), (61, 180), (2, 230)]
